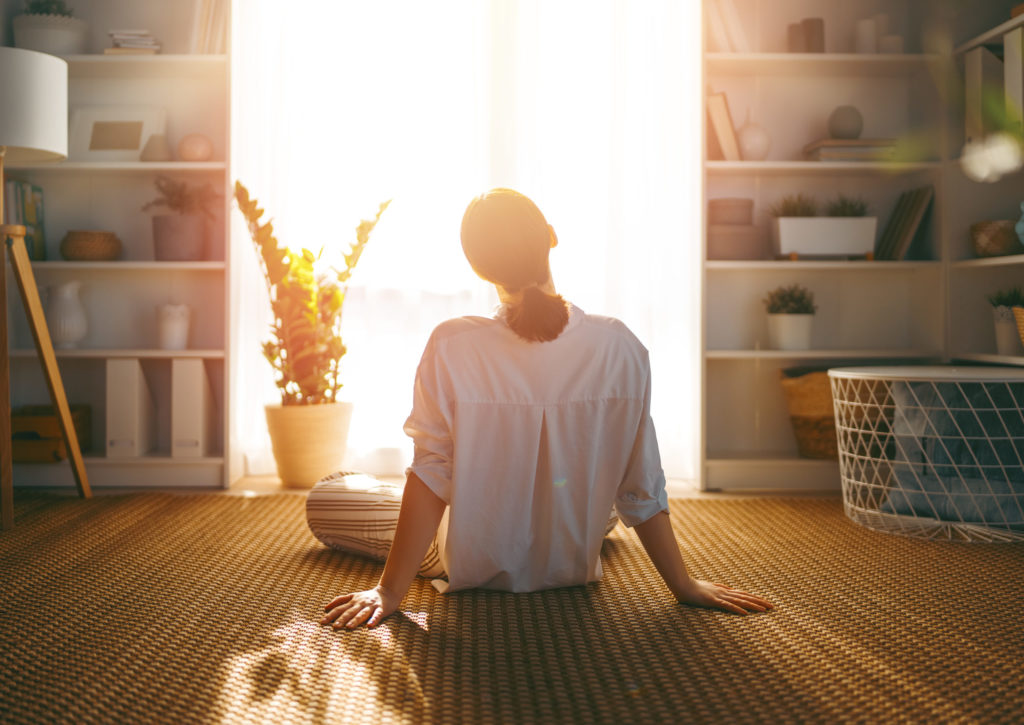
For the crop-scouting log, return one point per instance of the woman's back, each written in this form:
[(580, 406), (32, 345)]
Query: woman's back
[(531, 444)]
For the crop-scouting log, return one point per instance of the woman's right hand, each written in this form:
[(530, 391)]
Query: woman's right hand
[(699, 593), (352, 610)]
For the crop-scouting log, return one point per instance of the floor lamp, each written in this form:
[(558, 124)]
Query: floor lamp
[(33, 128)]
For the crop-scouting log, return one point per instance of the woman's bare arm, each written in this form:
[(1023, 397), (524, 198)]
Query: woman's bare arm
[(418, 520), (660, 543)]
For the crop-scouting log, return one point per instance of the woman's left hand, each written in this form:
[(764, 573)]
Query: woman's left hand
[(352, 610)]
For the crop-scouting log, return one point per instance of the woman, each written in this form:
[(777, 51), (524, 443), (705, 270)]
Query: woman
[(529, 428)]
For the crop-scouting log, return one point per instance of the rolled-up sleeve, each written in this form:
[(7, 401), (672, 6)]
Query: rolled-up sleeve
[(429, 426), (642, 494)]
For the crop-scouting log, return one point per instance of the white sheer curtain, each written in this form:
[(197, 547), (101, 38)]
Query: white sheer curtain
[(591, 108)]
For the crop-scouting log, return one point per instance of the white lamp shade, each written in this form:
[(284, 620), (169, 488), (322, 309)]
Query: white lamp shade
[(33, 106)]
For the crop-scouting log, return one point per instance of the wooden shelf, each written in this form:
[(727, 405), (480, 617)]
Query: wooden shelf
[(844, 168), (819, 64), (129, 265), (1009, 260), (132, 167), (995, 35), (145, 66), (990, 358), (818, 354), (814, 265), (105, 353)]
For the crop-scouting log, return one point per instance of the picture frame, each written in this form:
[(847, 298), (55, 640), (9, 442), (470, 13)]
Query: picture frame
[(113, 133)]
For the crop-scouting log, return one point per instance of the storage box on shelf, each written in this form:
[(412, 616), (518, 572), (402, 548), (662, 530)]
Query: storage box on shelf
[(121, 296)]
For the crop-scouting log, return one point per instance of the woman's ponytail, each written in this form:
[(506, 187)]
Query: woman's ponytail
[(537, 316)]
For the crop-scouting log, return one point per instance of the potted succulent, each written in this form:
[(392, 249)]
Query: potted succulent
[(309, 428), (1008, 340), (48, 26), (844, 231), (790, 317), (179, 235)]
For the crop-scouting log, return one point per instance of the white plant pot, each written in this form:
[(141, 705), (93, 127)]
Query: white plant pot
[(789, 331), (824, 236), (1007, 336), (53, 34), (309, 441)]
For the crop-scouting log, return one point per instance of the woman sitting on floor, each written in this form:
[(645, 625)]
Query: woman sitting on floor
[(529, 428)]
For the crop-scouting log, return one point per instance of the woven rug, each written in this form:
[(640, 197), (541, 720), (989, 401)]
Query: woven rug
[(204, 608)]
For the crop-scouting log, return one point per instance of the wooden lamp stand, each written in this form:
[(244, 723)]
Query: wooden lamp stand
[(13, 238)]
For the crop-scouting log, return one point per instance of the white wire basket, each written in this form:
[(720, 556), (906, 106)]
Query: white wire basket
[(935, 452)]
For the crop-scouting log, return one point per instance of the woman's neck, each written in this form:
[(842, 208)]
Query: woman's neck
[(507, 297)]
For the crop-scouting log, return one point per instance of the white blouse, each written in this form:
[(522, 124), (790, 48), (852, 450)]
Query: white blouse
[(531, 444)]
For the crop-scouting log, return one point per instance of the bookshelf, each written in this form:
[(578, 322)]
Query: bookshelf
[(120, 297), (929, 306)]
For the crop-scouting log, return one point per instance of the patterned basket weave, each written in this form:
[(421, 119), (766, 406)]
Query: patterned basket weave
[(90, 246), (809, 400), (1018, 314)]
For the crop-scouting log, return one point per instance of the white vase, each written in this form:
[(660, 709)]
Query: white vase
[(65, 315), (1007, 336), (172, 325), (790, 331), (309, 441), (754, 141)]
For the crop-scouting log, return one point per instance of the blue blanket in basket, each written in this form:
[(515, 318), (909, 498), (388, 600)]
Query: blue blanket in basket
[(958, 452)]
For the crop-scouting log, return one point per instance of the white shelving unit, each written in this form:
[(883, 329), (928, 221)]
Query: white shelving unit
[(121, 297), (930, 307)]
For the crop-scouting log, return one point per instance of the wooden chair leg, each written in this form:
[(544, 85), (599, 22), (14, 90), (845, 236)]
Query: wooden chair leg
[(44, 347), (6, 471)]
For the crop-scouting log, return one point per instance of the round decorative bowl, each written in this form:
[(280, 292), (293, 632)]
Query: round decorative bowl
[(83, 245), (995, 238)]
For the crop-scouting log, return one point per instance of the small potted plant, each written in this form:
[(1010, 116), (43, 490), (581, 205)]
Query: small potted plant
[(790, 317), (844, 231), (1008, 339), (179, 235), (48, 26), (309, 428)]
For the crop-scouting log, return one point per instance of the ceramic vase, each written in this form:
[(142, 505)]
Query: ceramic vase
[(178, 237), (754, 141), (1007, 336), (52, 34), (65, 315), (172, 326), (308, 441), (845, 122), (790, 331)]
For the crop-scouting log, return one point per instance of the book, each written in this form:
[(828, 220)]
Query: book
[(904, 223), (983, 84), (718, 36), (24, 205), (720, 122), (1013, 78), (130, 410), (733, 26), (191, 409), (129, 51), (865, 154)]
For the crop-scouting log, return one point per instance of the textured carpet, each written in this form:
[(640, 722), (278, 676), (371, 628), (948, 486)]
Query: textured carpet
[(204, 608)]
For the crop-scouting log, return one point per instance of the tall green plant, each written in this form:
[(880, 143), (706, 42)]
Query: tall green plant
[(306, 348)]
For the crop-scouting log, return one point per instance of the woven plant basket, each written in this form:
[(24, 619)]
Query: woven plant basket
[(80, 245), (809, 400), (1018, 315)]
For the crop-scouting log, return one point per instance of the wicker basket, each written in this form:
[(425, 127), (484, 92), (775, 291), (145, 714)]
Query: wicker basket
[(809, 400), (81, 245), (1018, 315), (996, 238)]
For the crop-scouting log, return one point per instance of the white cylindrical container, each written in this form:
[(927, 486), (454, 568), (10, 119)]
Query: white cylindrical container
[(65, 315), (866, 37), (172, 325), (1008, 340), (881, 24), (790, 331)]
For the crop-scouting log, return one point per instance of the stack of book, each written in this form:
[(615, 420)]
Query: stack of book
[(851, 149), (132, 42), (24, 206)]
